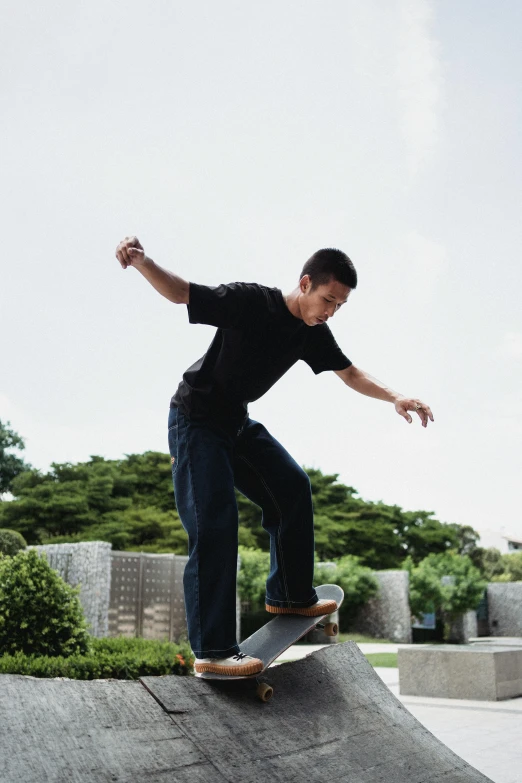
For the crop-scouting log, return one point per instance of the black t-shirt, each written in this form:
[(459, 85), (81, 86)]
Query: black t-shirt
[(257, 341)]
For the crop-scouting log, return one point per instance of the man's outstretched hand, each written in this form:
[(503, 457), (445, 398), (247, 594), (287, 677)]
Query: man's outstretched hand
[(130, 252), (405, 404)]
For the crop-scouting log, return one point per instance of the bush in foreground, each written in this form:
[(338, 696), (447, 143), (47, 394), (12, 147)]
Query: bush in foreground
[(114, 658), (40, 614)]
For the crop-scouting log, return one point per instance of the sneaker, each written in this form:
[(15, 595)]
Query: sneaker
[(324, 606), (237, 664)]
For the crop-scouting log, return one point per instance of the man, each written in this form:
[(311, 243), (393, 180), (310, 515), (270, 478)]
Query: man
[(215, 446)]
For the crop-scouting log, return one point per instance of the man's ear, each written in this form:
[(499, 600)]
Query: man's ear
[(305, 283)]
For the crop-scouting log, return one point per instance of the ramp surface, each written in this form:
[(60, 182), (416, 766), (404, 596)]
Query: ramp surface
[(331, 719)]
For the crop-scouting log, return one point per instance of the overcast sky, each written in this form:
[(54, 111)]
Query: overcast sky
[(235, 139)]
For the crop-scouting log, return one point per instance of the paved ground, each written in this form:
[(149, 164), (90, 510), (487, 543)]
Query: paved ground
[(487, 734)]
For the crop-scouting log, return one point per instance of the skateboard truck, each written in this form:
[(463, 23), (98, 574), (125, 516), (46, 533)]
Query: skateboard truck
[(330, 629)]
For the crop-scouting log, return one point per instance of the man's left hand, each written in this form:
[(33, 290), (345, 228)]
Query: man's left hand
[(405, 404)]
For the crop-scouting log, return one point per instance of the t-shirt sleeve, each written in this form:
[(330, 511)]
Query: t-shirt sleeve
[(322, 352), (227, 306)]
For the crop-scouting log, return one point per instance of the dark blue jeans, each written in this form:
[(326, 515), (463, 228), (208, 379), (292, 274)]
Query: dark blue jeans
[(206, 465)]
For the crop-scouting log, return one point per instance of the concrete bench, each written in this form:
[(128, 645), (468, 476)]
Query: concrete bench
[(498, 641), (488, 672)]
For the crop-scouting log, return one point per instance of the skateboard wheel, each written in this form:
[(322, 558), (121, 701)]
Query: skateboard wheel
[(264, 691), (331, 629)]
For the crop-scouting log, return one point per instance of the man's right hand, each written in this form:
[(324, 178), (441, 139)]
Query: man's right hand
[(131, 253)]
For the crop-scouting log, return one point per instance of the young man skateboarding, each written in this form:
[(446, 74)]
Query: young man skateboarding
[(215, 446)]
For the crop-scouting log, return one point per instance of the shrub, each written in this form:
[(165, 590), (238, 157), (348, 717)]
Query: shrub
[(39, 613), (357, 581), (425, 589), (115, 658), (253, 573), (11, 542)]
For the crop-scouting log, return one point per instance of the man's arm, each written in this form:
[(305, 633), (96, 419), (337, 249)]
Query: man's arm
[(131, 253), (362, 382)]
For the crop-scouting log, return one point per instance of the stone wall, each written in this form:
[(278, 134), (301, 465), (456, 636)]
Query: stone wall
[(387, 616), (125, 593), (87, 564), (505, 608)]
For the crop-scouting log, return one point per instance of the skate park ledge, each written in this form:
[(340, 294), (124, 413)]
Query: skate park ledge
[(488, 671)]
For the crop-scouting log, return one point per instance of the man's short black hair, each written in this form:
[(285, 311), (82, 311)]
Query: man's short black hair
[(328, 263)]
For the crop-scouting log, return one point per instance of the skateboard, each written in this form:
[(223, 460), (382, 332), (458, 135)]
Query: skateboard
[(270, 641)]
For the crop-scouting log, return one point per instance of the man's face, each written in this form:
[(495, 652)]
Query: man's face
[(320, 304)]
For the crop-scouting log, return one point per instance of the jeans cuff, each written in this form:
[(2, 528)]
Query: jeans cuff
[(289, 604), (217, 653)]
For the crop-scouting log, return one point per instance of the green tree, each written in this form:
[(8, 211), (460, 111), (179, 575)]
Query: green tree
[(498, 567), (513, 565), (379, 534), (451, 597), (425, 589), (128, 502), (10, 465), (490, 563)]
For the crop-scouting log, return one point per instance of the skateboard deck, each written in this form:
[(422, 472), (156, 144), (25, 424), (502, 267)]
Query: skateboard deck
[(278, 634)]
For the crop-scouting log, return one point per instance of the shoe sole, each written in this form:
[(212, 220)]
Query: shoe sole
[(309, 611), (212, 668)]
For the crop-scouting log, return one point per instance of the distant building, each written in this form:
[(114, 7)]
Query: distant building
[(503, 541)]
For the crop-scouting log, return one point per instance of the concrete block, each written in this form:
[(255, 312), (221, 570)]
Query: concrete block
[(505, 608), (504, 641), (463, 628), (87, 564), (480, 672), (387, 616)]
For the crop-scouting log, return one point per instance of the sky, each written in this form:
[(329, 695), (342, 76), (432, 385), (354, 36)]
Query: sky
[(234, 140)]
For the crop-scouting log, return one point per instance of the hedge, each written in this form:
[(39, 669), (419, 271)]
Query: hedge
[(113, 658)]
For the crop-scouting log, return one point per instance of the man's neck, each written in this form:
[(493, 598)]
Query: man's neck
[(292, 302)]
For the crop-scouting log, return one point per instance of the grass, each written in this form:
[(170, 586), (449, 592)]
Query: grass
[(387, 660)]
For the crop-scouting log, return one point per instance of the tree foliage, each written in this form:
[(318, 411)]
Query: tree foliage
[(430, 592), (513, 566), (10, 465), (127, 502), (379, 534), (130, 503), (498, 567)]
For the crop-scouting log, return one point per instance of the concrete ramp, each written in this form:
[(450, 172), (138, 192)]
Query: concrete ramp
[(331, 719)]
